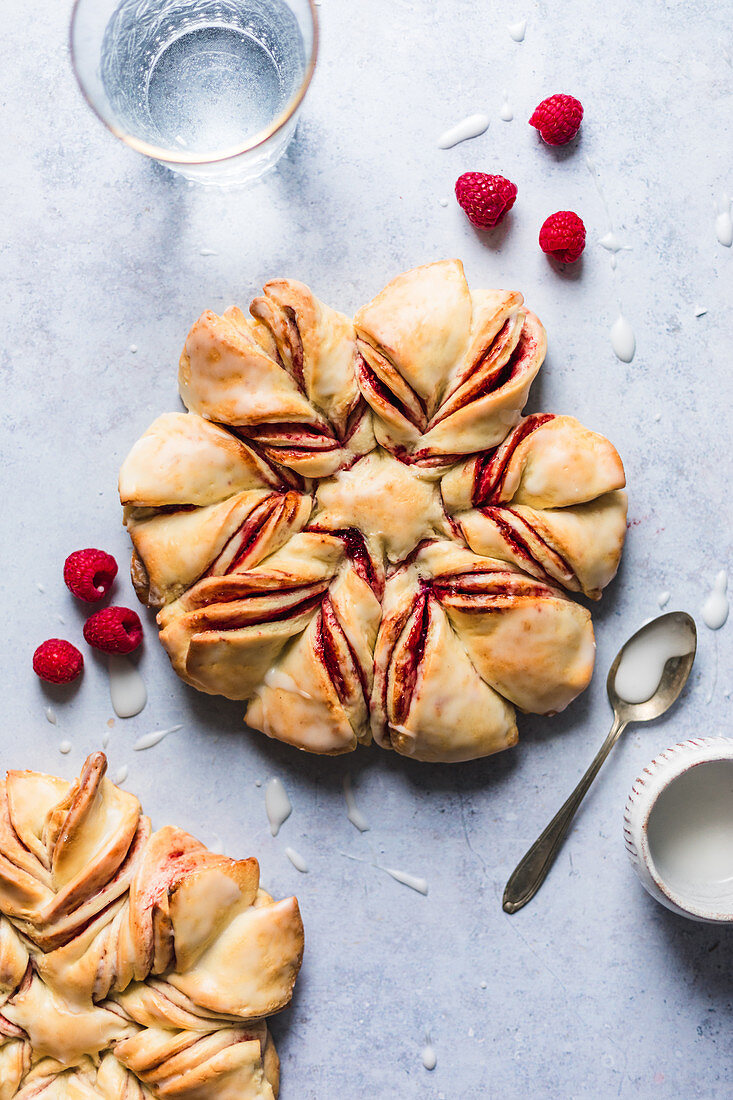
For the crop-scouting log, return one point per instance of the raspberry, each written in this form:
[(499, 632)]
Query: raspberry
[(114, 630), (57, 661), (563, 236), (557, 118), (89, 574), (485, 199)]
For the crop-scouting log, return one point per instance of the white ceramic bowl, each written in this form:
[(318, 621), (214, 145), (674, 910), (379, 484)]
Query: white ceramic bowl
[(678, 827)]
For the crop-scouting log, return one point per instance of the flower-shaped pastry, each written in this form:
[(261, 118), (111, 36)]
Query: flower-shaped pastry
[(355, 531), (132, 963)]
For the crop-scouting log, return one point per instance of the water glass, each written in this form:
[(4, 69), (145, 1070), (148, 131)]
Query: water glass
[(210, 88)]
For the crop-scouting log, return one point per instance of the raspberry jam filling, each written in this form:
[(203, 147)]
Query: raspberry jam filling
[(490, 467), (521, 547), (407, 663), (369, 381), (292, 434)]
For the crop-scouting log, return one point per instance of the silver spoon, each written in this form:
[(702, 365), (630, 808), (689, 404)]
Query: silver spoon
[(532, 870)]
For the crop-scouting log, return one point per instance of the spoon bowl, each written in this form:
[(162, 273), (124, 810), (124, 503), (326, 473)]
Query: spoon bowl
[(674, 675), (532, 869)]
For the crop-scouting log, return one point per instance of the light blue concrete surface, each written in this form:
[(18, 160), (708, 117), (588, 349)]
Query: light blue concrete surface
[(593, 991)]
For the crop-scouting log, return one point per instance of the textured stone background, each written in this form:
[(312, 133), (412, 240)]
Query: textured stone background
[(593, 990)]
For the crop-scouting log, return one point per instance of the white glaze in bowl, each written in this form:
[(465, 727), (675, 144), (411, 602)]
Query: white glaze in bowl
[(668, 881)]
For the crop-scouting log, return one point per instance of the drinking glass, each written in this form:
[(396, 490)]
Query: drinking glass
[(210, 88)]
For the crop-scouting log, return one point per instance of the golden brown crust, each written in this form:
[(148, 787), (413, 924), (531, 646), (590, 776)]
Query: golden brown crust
[(145, 964)]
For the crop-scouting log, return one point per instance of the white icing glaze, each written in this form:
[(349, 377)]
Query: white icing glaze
[(354, 814), (297, 860), (469, 127), (663, 599), (690, 828), (506, 114), (40, 587), (415, 883), (121, 774), (274, 678), (518, 30), (700, 311), (126, 687), (429, 1057), (623, 340), (105, 739), (641, 667), (208, 252), (442, 202), (715, 608), (657, 417), (65, 747), (724, 222), (51, 715), (133, 349), (149, 740), (611, 243), (61, 619), (277, 804)]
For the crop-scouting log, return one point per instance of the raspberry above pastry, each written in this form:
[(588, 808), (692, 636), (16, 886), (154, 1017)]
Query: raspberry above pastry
[(354, 530), (133, 963)]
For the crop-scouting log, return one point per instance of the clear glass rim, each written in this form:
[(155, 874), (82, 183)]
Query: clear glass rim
[(175, 156)]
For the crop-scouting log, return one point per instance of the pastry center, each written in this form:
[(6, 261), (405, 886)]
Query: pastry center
[(392, 504)]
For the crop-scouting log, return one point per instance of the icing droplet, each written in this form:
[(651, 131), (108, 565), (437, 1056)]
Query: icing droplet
[(724, 223), (297, 860), (208, 252), (258, 782), (657, 417), (276, 679), (418, 884), (354, 814), (484, 985), (442, 202), (506, 114), (121, 774), (518, 30), (126, 687), (105, 739), (65, 747), (663, 599), (715, 608), (277, 805), (429, 1057), (611, 243), (149, 740), (700, 311), (623, 340), (51, 715), (40, 587), (469, 127), (61, 619), (133, 349)]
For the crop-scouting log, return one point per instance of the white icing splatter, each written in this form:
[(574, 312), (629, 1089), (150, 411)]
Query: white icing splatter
[(258, 782), (133, 349), (61, 619), (121, 774), (506, 114), (126, 687), (208, 252), (105, 739), (297, 860), (611, 243), (442, 202), (470, 127), (623, 340), (65, 747), (277, 804), (518, 30), (700, 311), (715, 608), (40, 587), (51, 715), (484, 985), (724, 222), (149, 740), (415, 883), (429, 1057), (657, 417), (354, 814), (663, 599)]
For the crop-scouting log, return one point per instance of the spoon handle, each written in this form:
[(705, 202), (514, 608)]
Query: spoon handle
[(532, 869)]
